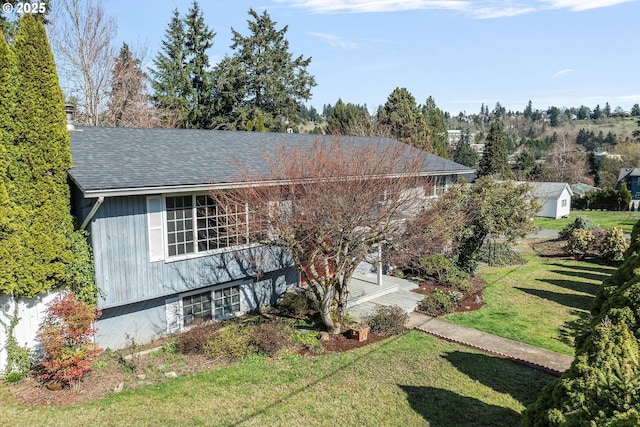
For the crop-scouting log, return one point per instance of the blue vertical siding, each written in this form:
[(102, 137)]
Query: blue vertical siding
[(125, 275)]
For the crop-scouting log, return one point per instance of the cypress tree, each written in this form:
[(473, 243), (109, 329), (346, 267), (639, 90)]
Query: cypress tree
[(39, 158), (9, 238), (495, 161)]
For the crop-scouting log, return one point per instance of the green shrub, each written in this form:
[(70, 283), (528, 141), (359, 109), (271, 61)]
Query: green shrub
[(500, 255), (581, 223), (438, 303), (445, 271), (231, 343), (387, 320), (271, 337), (193, 340), (579, 241), (13, 377), (613, 244), (296, 303)]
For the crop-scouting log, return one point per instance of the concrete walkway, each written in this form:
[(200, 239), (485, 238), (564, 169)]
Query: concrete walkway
[(546, 360), (366, 296)]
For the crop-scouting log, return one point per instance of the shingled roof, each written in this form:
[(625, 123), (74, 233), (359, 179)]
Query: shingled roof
[(118, 161)]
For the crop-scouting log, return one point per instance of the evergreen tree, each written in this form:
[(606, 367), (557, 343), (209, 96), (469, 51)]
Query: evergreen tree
[(128, 103), (464, 154), (9, 238), (39, 158), (401, 118), (495, 161), (635, 110), (437, 126), (348, 119), (198, 39), (171, 83), (272, 80)]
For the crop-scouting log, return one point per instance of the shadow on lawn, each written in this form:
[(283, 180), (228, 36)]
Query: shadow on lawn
[(504, 376), (443, 408), (581, 302), (589, 267), (573, 285)]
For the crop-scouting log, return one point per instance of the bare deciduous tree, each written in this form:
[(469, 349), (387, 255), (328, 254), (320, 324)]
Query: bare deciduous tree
[(82, 35), (567, 162), (328, 205)]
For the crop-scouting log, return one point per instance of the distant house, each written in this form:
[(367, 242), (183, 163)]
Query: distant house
[(580, 189), (555, 198), (163, 257), (631, 178)]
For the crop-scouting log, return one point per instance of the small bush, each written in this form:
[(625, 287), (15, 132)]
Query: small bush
[(500, 255), (271, 337), (579, 242), (438, 303), (13, 377), (387, 320), (66, 336), (296, 303), (193, 340), (613, 244), (310, 341), (231, 343), (581, 223)]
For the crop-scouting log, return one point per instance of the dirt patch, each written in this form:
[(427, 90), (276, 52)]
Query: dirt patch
[(548, 248), (471, 300)]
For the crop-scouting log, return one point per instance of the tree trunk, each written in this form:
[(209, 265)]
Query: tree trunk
[(328, 311)]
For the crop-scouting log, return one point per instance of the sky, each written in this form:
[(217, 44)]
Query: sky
[(463, 53)]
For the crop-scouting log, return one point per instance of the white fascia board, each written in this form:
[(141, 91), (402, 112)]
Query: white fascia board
[(141, 191)]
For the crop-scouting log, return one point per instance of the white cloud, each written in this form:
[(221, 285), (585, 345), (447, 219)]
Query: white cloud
[(580, 5), (482, 9), (362, 6), (334, 41), (563, 72)]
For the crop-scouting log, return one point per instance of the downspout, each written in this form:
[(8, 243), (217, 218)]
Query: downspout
[(92, 212)]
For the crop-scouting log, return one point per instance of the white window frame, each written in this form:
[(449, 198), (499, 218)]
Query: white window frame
[(563, 203), (197, 253), (174, 306)]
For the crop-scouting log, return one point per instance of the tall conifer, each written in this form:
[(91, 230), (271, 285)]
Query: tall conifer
[(39, 159), (495, 161)]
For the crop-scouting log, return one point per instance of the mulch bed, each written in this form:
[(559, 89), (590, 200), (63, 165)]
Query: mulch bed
[(111, 378), (471, 300)]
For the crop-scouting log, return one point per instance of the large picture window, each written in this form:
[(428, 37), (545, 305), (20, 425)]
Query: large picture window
[(195, 223)]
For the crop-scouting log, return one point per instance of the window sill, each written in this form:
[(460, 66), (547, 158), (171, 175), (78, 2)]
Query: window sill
[(168, 259)]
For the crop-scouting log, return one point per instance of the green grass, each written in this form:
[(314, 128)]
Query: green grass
[(623, 220), (541, 303), (411, 380)]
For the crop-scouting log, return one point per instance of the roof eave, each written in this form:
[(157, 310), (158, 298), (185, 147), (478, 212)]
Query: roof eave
[(142, 191)]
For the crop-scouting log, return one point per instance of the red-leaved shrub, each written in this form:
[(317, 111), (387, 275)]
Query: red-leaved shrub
[(66, 335)]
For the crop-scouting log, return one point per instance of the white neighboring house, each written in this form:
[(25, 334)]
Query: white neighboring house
[(555, 198)]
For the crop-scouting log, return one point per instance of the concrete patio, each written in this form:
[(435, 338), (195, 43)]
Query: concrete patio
[(365, 294)]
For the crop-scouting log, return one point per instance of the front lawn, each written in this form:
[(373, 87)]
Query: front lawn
[(412, 380), (606, 219), (541, 303)]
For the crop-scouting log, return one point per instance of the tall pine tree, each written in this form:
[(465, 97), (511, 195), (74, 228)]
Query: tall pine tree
[(437, 126), (39, 158), (463, 153), (181, 80), (198, 39), (273, 81), (401, 118), (495, 161)]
